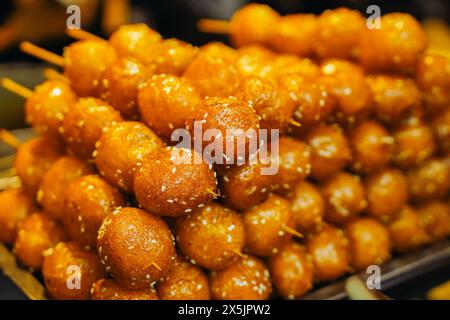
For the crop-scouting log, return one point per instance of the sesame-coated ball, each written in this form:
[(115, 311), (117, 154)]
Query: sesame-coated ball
[(435, 217), (174, 56)]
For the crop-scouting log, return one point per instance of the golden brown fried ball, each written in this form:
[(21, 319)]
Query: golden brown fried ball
[(338, 33), (395, 46), (84, 63), (247, 279), (136, 247), (369, 243), (109, 289), (88, 200), (171, 182), (330, 150), (166, 102), (36, 234), (290, 65), (407, 231), (307, 206), (220, 50), (212, 238), (84, 124), (15, 206), (255, 60), (268, 225), (387, 193), (291, 270), (440, 123), (184, 281), (329, 249), (70, 271), (435, 217), (33, 158), (174, 56)]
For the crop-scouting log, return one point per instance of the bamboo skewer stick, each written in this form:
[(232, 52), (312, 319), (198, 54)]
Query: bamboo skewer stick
[(214, 26), (41, 53)]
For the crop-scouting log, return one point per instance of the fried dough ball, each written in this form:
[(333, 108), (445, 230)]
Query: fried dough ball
[(55, 182), (174, 56), (84, 63), (272, 104), (372, 147), (414, 143), (33, 158), (136, 247), (36, 234), (307, 206), (393, 96), (137, 41), (220, 115), (286, 38), (429, 181), (109, 289), (440, 123), (15, 206), (435, 217), (135, 141), (387, 193), (172, 183), (220, 50), (84, 124), (184, 281), (339, 33), (70, 271), (290, 65), (120, 85), (330, 150), (407, 232), (247, 279), (212, 238), (166, 102), (252, 24), (433, 78), (395, 46), (47, 106), (255, 60), (267, 225), (345, 197), (369, 243), (212, 75), (294, 164), (292, 270), (329, 249), (88, 200)]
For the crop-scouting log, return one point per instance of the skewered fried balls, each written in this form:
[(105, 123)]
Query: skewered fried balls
[(84, 124), (291, 270), (429, 181), (70, 271), (15, 206), (440, 124), (255, 60), (166, 102), (435, 217), (84, 63), (212, 238), (387, 193), (184, 281), (369, 243), (136, 247), (247, 279), (173, 183), (137, 41), (267, 225), (395, 46), (407, 231), (55, 182), (372, 147), (109, 289), (330, 150), (329, 249), (120, 85), (88, 200), (307, 206), (136, 142), (345, 197), (33, 158), (174, 56), (36, 234), (338, 33)]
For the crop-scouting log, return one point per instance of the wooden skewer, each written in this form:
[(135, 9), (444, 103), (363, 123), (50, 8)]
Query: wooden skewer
[(214, 26), (240, 254), (292, 231), (81, 34), (52, 74), (41, 53), (10, 139), (16, 88)]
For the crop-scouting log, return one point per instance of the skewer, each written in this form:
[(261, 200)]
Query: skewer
[(214, 26), (16, 88), (240, 254), (292, 231), (81, 34), (52, 74), (10, 139), (41, 53)]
